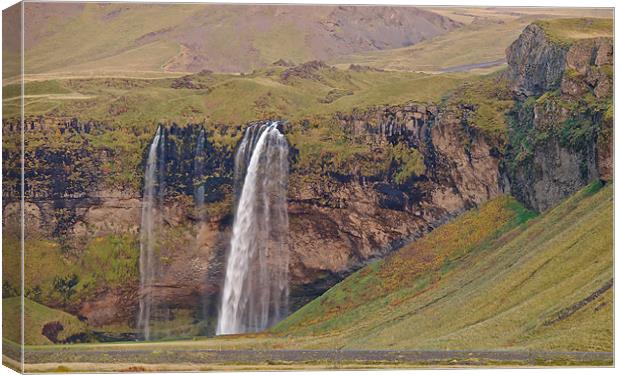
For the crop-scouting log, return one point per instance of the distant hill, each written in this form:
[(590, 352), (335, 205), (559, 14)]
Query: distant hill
[(480, 42), (493, 278), (235, 38)]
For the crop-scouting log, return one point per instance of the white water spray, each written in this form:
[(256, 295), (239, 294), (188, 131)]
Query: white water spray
[(150, 218), (255, 294)]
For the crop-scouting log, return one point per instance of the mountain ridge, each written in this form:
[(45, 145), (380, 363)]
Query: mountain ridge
[(224, 38)]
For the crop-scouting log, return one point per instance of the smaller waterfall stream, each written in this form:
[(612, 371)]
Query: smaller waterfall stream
[(199, 166), (150, 217), (255, 294)]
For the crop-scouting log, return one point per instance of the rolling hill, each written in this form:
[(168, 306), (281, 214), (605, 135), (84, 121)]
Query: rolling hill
[(225, 38)]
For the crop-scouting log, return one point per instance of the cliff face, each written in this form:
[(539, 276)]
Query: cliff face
[(339, 219), (535, 64), (561, 130)]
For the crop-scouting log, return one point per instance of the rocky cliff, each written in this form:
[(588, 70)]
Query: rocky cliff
[(341, 216), (561, 125)]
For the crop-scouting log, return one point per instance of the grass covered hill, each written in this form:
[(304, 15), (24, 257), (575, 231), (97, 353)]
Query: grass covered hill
[(496, 277), (288, 92)]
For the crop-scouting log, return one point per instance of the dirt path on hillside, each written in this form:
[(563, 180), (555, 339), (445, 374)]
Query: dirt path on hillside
[(468, 67)]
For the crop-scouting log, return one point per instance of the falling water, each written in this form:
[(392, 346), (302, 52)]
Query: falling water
[(255, 294), (199, 165), (150, 216)]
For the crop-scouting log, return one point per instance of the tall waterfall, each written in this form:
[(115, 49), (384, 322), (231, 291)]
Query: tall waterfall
[(255, 294), (151, 200)]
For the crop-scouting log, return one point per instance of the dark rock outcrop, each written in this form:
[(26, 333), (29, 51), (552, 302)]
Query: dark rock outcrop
[(561, 131), (535, 64)]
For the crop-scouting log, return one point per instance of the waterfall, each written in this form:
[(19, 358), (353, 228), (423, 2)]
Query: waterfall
[(255, 294), (151, 200), (199, 166)]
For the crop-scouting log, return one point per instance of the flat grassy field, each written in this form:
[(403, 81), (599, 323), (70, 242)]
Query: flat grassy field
[(568, 30)]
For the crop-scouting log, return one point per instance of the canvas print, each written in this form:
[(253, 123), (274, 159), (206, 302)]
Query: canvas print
[(214, 187)]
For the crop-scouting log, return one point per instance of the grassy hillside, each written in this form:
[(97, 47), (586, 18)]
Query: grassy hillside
[(122, 39), (55, 278), (472, 44), (497, 277), (308, 90), (568, 30), (494, 278), (36, 317)]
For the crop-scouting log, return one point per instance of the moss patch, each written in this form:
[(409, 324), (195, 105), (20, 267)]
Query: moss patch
[(565, 31), (37, 317)]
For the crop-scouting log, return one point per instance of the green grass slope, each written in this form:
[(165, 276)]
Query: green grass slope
[(105, 262), (225, 98), (568, 30), (36, 316), (493, 278)]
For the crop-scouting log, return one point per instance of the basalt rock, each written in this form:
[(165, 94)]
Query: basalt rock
[(338, 222), (535, 64), (561, 127)]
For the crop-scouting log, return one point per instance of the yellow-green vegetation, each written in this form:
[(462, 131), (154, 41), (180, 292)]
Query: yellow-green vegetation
[(323, 145), (109, 260), (493, 278), (36, 316), (104, 38), (132, 108), (491, 99), (34, 88), (577, 131), (568, 30), (227, 98), (469, 15), (497, 277), (483, 38), (410, 161), (11, 257), (55, 277), (415, 266)]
